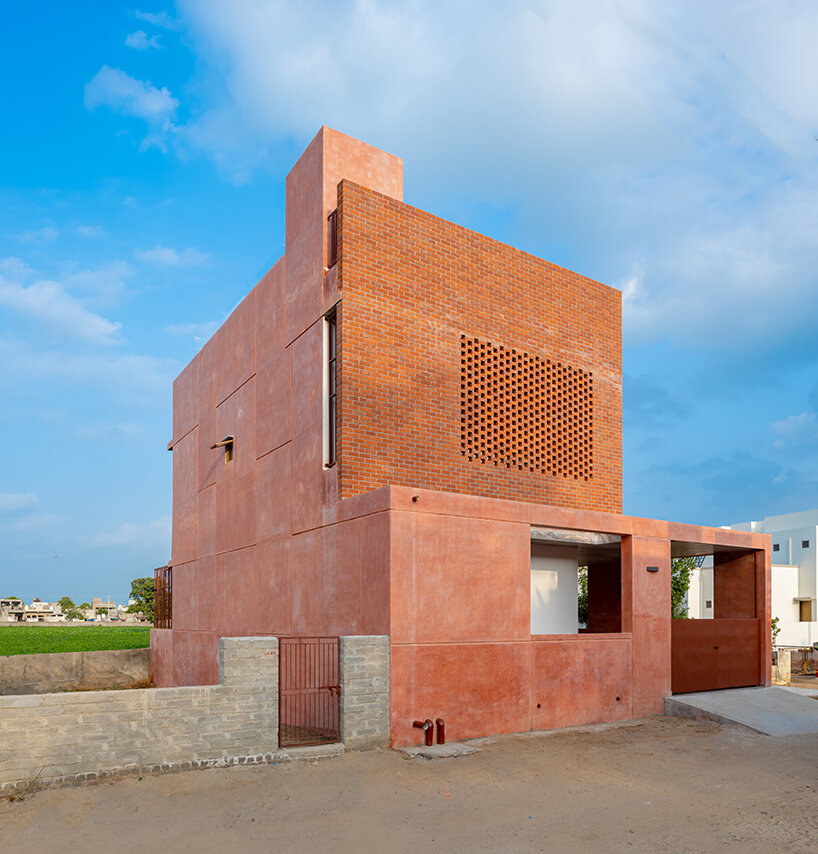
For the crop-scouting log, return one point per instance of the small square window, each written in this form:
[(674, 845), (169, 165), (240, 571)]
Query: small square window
[(708, 603), (804, 544), (776, 547)]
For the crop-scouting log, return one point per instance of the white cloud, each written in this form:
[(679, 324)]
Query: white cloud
[(151, 535), (15, 268), (795, 430), (134, 379), (10, 501), (39, 235), (140, 41), (121, 432), (113, 88), (158, 19), (164, 256), (90, 230), (676, 140), (198, 331), (106, 284), (49, 303), (37, 522)]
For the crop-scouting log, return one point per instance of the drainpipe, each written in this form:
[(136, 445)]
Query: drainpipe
[(428, 730), (441, 731)]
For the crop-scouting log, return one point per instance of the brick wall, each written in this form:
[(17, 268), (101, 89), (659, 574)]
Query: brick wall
[(63, 738), (365, 691), (412, 286), (59, 739)]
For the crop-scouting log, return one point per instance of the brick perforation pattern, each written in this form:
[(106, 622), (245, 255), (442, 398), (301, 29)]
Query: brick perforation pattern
[(525, 412), (412, 285)]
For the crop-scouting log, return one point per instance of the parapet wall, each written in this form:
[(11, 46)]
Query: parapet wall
[(74, 671)]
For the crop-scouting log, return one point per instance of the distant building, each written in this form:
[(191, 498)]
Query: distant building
[(12, 609), (794, 576), (110, 609), (43, 612)]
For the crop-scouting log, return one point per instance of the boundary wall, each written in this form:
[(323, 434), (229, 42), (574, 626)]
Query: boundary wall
[(46, 673), (64, 739)]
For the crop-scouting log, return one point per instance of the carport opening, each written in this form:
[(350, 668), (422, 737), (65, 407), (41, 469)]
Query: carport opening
[(576, 582), (722, 646), (722, 581)]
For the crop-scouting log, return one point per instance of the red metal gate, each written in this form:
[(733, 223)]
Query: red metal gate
[(707, 655), (163, 598), (309, 691)]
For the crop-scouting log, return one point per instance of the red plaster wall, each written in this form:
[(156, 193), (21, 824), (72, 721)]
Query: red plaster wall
[(252, 553), (411, 285), (646, 614)]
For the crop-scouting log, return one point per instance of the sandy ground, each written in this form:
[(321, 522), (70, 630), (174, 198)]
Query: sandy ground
[(659, 784)]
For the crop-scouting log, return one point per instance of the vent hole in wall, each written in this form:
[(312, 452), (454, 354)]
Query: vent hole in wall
[(524, 412)]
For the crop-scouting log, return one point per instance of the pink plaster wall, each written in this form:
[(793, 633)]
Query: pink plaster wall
[(461, 642), (252, 552)]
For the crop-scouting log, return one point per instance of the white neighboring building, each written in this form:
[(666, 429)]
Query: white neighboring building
[(794, 575)]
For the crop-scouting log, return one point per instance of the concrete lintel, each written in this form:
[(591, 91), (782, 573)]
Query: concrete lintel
[(585, 538)]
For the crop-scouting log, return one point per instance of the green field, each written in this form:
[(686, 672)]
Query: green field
[(25, 640)]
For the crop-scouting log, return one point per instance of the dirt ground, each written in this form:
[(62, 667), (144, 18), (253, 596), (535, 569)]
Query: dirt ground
[(658, 784)]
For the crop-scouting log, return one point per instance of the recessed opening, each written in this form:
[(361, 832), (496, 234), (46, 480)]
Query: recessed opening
[(227, 444), (712, 582), (330, 388), (332, 239), (576, 582)]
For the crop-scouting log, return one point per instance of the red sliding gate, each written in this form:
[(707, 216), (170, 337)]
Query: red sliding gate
[(710, 654), (309, 691)]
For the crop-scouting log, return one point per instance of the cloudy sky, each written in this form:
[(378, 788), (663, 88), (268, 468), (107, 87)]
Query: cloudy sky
[(666, 149)]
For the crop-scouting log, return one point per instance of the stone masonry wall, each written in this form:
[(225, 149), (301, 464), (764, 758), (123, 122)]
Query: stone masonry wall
[(55, 739), (74, 671), (365, 711)]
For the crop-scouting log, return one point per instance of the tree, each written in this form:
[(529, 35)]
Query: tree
[(582, 595), (65, 602), (680, 575), (775, 628), (85, 605), (142, 594)]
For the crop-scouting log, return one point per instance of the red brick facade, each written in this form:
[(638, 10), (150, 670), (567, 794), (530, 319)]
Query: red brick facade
[(413, 285)]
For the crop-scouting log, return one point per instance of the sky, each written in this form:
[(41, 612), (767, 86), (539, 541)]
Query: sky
[(667, 149)]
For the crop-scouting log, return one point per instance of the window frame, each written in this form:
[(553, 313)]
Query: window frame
[(330, 363)]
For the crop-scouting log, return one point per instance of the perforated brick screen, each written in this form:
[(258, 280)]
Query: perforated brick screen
[(525, 412)]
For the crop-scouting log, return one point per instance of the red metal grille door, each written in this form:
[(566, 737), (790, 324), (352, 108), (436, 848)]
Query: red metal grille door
[(309, 691), (163, 598)]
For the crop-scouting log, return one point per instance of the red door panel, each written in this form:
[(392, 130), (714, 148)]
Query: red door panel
[(693, 656), (738, 653)]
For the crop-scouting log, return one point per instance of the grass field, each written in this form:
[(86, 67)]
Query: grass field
[(25, 640)]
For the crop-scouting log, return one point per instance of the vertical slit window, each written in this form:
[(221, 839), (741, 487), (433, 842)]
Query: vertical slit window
[(332, 239), (332, 362)]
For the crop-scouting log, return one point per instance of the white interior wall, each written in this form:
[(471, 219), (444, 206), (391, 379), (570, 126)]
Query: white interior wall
[(700, 593), (553, 591)]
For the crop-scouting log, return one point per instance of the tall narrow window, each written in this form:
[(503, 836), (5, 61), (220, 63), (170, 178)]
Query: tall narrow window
[(332, 239), (331, 387)]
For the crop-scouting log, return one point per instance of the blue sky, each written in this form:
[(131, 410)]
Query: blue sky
[(668, 150)]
